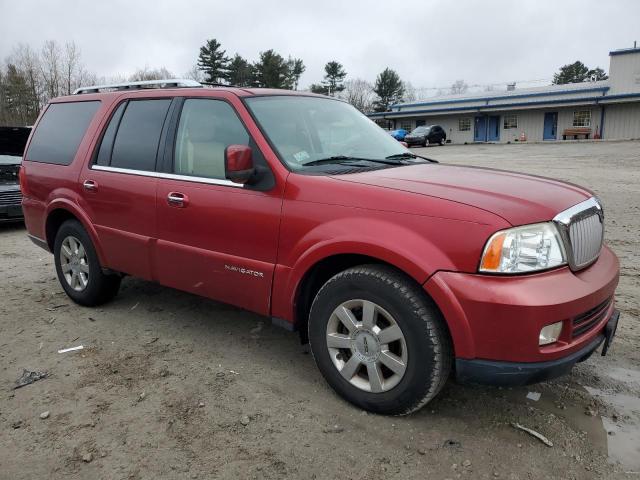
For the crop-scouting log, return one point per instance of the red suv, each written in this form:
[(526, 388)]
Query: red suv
[(397, 270)]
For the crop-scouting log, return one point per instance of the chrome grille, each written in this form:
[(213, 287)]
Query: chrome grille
[(586, 239), (582, 230), (10, 198)]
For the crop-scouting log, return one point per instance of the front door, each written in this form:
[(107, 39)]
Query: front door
[(215, 238), (480, 129), (493, 128), (486, 128), (550, 131)]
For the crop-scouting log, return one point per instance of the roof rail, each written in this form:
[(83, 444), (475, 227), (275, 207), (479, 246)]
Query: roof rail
[(164, 83)]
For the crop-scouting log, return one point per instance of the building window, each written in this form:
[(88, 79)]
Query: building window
[(406, 125), (464, 124), (510, 121), (582, 118)]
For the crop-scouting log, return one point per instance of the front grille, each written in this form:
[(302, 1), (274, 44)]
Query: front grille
[(10, 198), (584, 322), (9, 173), (581, 228), (586, 239)]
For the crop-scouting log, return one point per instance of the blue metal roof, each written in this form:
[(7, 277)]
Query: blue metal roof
[(479, 108), (505, 97), (624, 51)]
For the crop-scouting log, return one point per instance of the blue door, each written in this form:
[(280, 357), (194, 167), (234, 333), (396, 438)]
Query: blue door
[(493, 130), (480, 129), (550, 131), (487, 128)]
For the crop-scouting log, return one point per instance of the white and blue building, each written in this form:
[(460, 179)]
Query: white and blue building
[(607, 109)]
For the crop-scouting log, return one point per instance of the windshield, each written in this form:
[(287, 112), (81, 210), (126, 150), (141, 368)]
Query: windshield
[(307, 129), (420, 130)]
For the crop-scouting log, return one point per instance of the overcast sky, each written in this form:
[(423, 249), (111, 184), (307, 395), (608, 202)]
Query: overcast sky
[(429, 43)]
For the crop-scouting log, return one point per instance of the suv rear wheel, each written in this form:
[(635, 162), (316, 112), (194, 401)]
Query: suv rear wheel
[(78, 268), (379, 341)]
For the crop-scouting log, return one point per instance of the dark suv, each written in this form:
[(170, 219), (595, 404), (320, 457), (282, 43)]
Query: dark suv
[(12, 143), (397, 270), (426, 135)]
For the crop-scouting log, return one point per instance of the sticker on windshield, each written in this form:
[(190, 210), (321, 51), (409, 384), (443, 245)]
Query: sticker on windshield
[(301, 156)]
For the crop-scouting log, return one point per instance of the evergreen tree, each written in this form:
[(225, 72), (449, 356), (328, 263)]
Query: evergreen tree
[(296, 69), (333, 81), (334, 77), (239, 72), (577, 72), (389, 89), (272, 71), (213, 62)]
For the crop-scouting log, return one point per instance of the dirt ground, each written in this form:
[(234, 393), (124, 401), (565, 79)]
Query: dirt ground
[(170, 385)]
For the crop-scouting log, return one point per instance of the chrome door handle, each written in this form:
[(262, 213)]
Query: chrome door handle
[(177, 199), (90, 185)]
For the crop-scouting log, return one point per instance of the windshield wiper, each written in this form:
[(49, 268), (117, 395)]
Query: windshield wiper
[(411, 155), (346, 160)]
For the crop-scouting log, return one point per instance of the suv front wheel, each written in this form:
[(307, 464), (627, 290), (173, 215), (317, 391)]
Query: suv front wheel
[(78, 268), (379, 341)]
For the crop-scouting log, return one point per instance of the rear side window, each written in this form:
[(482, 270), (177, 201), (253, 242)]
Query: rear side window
[(60, 132), (136, 141), (104, 154)]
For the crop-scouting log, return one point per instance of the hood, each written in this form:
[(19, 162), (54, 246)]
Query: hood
[(519, 199)]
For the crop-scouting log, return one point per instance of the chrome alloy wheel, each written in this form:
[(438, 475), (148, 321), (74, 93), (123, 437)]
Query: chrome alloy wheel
[(367, 346), (74, 263)]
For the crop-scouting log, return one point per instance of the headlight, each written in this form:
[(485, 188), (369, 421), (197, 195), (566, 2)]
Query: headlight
[(523, 249)]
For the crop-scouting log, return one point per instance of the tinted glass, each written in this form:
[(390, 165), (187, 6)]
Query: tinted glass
[(206, 128), (60, 132), (104, 154), (420, 130), (136, 143)]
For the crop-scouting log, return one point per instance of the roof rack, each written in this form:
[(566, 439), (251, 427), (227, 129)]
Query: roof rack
[(164, 83)]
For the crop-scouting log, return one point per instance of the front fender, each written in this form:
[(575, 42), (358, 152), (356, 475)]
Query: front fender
[(399, 245)]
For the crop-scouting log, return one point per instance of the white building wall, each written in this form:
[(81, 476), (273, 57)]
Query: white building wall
[(565, 119), (622, 121), (624, 73)]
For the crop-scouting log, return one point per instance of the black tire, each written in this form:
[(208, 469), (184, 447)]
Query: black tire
[(425, 143), (429, 352), (443, 141), (100, 287)]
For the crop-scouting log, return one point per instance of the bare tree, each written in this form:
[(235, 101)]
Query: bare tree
[(195, 74), (409, 92), (358, 93), (147, 73), (459, 87), (51, 68), (74, 73), (28, 64)]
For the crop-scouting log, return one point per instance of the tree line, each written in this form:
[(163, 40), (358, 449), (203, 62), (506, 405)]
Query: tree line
[(30, 77)]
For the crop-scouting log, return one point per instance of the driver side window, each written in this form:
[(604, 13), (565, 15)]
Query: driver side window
[(205, 129)]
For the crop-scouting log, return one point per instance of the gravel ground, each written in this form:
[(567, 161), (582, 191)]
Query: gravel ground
[(170, 385)]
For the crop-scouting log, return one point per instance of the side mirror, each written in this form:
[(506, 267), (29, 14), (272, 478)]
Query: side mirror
[(238, 164)]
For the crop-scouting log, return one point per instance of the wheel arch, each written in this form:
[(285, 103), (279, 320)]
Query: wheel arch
[(61, 211), (318, 273)]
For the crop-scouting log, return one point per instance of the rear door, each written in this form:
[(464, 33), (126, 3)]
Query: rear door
[(215, 238), (119, 185)]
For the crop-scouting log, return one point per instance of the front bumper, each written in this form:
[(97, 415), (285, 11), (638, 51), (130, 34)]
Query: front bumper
[(498, 318), (512, 374)]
